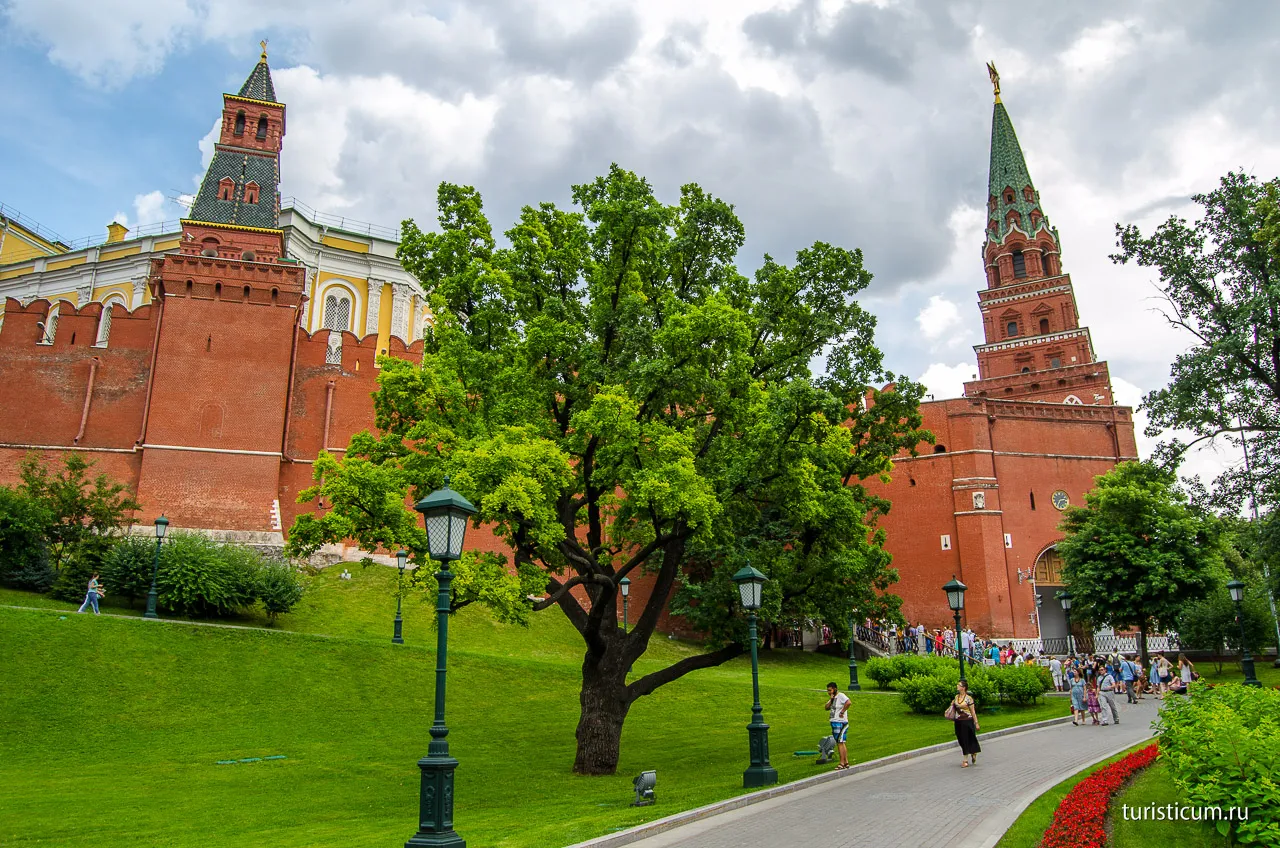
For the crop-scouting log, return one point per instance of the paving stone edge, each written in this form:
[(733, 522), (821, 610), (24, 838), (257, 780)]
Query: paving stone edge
[(657, 826)]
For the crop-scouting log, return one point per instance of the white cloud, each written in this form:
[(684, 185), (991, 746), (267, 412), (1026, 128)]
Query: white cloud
[(150, 208), (947, 381), (107, 42), (939, 317)]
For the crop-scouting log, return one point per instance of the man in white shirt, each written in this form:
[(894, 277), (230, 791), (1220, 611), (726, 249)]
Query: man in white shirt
[(1055, 669), (838, 707)]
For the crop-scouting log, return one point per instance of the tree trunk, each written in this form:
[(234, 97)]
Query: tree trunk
[(604, 708)]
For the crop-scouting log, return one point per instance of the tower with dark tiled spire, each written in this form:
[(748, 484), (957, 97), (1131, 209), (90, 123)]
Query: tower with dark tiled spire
[(1035, 348), (241, 187)]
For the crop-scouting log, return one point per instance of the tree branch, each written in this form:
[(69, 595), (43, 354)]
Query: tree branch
[(650, 682)]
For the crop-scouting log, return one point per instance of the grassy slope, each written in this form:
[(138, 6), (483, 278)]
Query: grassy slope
[(1154, 786), (113, 728)]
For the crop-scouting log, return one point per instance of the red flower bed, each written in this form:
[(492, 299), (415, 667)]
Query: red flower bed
[(1080, 820)]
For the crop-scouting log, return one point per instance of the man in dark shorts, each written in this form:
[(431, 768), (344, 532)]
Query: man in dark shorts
[(838, 707)]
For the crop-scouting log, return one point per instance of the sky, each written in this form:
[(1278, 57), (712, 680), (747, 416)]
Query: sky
[(863, 124)]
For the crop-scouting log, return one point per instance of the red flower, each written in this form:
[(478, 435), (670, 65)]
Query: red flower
[(1080, 820)]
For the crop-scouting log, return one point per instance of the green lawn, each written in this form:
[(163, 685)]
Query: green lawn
[(113, 727), (1154, 787)]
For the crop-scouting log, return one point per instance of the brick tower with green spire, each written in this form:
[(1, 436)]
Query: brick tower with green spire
[(1035, 348), (227, 330)]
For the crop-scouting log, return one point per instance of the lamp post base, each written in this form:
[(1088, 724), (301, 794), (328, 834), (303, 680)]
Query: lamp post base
[(759, 773), (151, 605), (435, 806), (854, 685)]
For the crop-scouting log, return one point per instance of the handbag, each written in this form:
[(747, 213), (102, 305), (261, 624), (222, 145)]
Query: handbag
[(952, 713)]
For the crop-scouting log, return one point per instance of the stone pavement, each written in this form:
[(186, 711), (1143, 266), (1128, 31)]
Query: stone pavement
[(925, 801)]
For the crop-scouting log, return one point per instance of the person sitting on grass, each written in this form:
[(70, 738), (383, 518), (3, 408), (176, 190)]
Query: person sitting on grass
[(838, 707)]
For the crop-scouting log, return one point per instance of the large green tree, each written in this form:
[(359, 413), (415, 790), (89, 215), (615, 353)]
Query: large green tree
[(1136, 553), (617, 399), (1220, 279)]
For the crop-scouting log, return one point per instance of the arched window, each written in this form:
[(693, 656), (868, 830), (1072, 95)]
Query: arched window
[(104, 322), (251, 192), (337, 317), (50, 324), (1019, 265), (1073, 400), (226, 189), (1011, 329), (1044, 326), (262, 128), (239, 130)]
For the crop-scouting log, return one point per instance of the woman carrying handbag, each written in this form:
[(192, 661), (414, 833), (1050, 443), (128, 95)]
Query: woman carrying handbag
[(964, 713)]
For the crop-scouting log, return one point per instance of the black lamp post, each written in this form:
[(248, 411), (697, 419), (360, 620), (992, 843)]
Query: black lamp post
[(625, 586), (162, 527), (1064, 598), (853, 660), (955, 599), (445, 514), (1236, 588), (759, 773), (401, 557)]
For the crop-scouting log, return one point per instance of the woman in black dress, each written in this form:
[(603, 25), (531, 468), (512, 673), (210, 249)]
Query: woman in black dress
[(966, 725)]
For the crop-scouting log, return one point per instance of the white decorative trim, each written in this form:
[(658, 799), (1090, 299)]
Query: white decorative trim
[(373, 299), (400, 295), (67, 448), (1108, 458), (84, 294), (212, 450), (139, 289), (1026, 341)]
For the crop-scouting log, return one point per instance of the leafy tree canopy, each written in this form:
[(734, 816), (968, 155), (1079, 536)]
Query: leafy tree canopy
[(618, 400), (1137, 552), (1220, 278), (78, 506)]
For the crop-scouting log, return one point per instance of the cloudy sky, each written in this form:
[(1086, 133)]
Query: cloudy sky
[(865, 124)]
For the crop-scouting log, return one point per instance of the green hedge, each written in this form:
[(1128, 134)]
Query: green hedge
[(1022, 684), (1222, 745), (886, 670), (929, 694)]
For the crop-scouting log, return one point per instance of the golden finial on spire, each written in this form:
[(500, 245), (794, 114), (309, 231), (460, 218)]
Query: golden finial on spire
[(263, 42), (995, 78)]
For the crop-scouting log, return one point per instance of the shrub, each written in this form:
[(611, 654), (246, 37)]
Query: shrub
[(280, 587), (89, 555), (126, 571), (930, 693), (1022, 684), (24, 557), (1223, 749), (885, 670), (200, 577)]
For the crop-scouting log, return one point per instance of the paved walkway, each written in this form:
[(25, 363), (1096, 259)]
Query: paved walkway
[(925, 801)]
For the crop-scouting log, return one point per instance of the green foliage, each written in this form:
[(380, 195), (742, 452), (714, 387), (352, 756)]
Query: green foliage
[(886, 670), (86, 558), (126, 571), (1221, 278), (930, 693), (1137, 553), (200, 577), (1209, 624), (615, 397), (80, 509), (1022, 684), (279, 586), (24, 555), (1222, 745)]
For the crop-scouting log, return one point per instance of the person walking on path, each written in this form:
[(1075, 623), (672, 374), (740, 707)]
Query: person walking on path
[(1129, 676), (1091, 700), (838, 707), (92, 595), (1106, 694), (966, 725), (1077, 699)]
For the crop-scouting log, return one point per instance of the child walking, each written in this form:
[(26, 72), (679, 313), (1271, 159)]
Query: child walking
[(1091, 699)]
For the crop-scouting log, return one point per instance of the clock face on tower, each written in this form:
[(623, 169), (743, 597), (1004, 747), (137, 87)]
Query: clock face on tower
[(1060, 500)]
